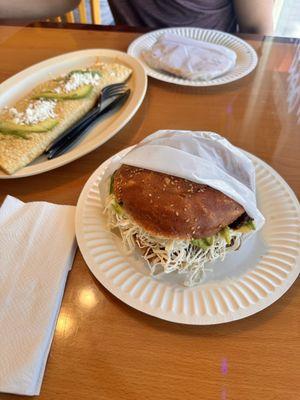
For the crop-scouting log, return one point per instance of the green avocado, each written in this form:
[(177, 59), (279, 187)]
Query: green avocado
[(79, 93), (10, 128), (111, 186), (17, 134), (225, 233), (247, 227), (117, 207), (204, 243)]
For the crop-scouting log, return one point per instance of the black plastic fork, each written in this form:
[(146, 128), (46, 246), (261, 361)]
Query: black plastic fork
[(108, 92), (72, 137)]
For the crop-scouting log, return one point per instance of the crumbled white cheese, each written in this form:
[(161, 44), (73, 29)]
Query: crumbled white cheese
[(57, 90), (37, 111), (79, 79)]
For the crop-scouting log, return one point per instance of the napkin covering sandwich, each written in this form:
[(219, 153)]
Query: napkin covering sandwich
[(184, 198), (189, 58)]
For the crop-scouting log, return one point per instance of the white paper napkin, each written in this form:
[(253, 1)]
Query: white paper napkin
[(37, 248), (201, 157), (189, 58)]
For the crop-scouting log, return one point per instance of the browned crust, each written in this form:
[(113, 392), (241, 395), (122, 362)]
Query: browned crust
[(171, 207)]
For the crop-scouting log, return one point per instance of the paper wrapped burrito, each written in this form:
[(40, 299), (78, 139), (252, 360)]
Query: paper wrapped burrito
[(189, 58), (184, 198)]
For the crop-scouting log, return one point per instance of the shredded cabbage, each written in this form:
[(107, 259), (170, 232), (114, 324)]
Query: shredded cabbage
[(166, 255)]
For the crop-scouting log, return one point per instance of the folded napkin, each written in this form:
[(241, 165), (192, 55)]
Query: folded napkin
[(189, 58), (37, 248)]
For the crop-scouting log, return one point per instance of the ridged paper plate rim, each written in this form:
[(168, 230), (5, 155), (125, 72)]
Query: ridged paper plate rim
[(226, 301), (246, 55)]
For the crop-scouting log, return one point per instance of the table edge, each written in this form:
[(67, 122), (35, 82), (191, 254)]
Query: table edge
[(131, 29)]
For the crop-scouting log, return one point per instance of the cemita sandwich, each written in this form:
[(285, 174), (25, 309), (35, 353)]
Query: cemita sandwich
[(27, 128), (168, 209), (189, 58)]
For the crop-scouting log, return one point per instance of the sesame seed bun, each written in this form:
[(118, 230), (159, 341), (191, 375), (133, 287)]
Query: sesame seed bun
[(169, 207)]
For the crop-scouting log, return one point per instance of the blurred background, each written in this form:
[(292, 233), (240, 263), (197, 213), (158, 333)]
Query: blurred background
[(286, 15)]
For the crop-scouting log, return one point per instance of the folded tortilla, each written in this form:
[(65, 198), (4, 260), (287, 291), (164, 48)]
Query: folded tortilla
[(16, 152)]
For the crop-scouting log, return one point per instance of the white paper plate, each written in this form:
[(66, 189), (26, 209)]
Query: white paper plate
[(248, 281), (20, 84), (246, 55)]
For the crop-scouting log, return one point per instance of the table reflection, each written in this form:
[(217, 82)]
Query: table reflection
[(87, 298), (65, 324)]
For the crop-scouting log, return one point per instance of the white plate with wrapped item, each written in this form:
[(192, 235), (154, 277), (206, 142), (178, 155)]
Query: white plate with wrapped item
[(45, 94), (245, 282), (208, 57)]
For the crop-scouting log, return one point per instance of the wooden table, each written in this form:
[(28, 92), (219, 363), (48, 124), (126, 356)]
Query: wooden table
[(103, 349)]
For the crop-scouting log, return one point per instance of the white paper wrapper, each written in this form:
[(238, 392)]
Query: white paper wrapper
[(201, 157), (189, 58)]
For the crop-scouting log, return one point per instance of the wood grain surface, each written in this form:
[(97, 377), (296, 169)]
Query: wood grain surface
[(103, 349)]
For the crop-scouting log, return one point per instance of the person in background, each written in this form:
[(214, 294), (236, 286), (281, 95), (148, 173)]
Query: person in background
[(250, 16), (35, 9)]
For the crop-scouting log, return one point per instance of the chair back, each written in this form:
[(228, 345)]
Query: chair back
[(94, 6)]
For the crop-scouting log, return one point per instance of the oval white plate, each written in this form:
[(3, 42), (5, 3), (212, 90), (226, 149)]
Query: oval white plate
[(246, 55), (246, 282), (17, 86)]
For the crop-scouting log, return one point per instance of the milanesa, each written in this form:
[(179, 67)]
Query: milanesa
[(179, 224)]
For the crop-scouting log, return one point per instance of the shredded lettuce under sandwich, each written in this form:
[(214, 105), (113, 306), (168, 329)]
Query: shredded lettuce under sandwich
[(165, 255)]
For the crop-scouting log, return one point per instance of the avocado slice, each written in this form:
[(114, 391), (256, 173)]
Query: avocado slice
[(204, 243), (111, 186), (209, 240), (117, 207), (17, 134), (225, 233), (79, 93), (247, 227), (10, 128)]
